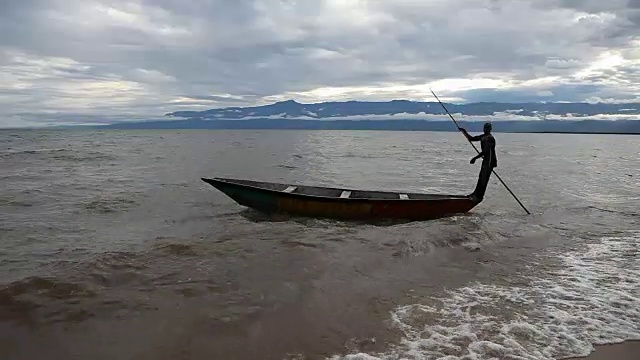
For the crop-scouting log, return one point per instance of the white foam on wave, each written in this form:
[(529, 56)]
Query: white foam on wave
[(592, 298)]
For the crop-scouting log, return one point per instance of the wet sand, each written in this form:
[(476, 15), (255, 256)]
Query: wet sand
[(628, 350)]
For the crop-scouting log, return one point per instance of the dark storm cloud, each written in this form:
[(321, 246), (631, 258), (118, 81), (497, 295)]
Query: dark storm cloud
[(128, 56)]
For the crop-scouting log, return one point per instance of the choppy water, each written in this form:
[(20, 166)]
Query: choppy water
[(113, 248)]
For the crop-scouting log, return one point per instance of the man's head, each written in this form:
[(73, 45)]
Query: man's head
[(487, 128)]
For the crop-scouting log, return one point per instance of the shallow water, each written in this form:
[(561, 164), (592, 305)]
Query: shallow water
[(114, 248)]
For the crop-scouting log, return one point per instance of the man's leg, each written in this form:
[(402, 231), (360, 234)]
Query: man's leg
[(483, 182)]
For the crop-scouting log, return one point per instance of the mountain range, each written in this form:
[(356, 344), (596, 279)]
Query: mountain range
[(409, 115)]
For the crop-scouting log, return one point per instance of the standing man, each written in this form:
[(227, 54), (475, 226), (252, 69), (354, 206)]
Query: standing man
[(489, 159)]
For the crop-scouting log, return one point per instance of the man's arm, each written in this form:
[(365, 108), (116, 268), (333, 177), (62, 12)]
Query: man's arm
[(473, 160), (469, 137), (486, 152)]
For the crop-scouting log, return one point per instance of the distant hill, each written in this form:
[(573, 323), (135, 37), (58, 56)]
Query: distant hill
[(408, 115), (549, 126), (331, 110)]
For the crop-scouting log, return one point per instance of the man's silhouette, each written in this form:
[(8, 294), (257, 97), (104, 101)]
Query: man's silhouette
[(489, 159)]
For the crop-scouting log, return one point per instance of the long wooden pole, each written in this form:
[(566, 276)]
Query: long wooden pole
[(474, 147)]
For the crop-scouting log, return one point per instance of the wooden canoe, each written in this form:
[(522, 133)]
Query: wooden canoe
[(336, 203)]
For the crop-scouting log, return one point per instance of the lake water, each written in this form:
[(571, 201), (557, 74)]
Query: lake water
[(113, 248)]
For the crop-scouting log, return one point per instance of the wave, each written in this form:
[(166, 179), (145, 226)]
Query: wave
[(117, 260), (591, 299), (59, 154), (82, 156), (7, 201), (41, 300), (115, 268), (362, 156), (626, 213), (465, 231), (20, 300), (297, 243), (8, 153), (109, 205), (49, 287), (177, 249)]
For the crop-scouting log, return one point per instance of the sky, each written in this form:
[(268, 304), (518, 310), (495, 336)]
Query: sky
[(93, 61)]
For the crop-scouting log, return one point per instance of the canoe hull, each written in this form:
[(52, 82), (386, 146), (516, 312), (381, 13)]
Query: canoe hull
[(270, 200), (375, 210)]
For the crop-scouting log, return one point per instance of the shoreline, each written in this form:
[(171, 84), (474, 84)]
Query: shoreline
[(626, 350)]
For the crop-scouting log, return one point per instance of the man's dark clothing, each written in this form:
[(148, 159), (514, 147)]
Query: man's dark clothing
[(489, 161)]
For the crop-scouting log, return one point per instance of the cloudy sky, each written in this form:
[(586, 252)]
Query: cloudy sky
[(97, 60)]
